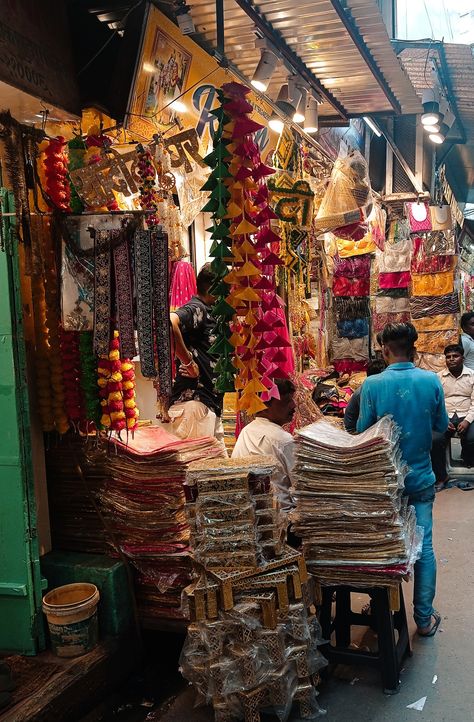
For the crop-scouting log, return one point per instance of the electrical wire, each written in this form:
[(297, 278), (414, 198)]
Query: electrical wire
[(109, 40), (429, 20)]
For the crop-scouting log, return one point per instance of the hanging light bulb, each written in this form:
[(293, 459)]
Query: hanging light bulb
[(436, 138), (435, 128), (275, 123), (444, 128), (299, 116), (264, 70), (311, 122)]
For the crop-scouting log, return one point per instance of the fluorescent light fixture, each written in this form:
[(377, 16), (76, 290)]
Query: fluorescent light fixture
[(311, 122), (264, 70), (372, 126), (179, 106)]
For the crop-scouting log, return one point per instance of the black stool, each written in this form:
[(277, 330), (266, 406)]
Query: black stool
[(382, 620)]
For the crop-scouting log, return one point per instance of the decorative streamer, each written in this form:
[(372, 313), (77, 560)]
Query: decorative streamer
[(144, 285), (102, 293), (88, 379), (159, 243), (124, 299)]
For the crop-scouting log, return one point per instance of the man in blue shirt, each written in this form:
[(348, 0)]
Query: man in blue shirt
[(415, 399)]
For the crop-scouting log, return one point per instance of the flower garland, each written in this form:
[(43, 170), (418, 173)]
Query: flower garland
[(116, 381), (150, 199), (71, 365), (43, 381), (96, 141), (88, 380), (56, 172)]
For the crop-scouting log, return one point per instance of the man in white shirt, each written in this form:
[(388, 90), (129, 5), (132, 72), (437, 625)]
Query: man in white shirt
[(467, 338), (458, 385), (265, 436)]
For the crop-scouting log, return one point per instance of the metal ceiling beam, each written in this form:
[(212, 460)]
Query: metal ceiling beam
[(269, 32), (344, 14)]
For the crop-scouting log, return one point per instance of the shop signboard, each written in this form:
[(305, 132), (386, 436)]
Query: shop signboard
[(175, 88), (35, 51)]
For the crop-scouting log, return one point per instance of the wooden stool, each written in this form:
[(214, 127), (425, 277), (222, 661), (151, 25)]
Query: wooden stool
[(384, 619)]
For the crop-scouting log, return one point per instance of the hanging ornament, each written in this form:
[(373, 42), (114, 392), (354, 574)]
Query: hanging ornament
[(150, 198), (116, 381), (56, 173), (88, 365)]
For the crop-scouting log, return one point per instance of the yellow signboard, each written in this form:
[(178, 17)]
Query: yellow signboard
[(175, 87)]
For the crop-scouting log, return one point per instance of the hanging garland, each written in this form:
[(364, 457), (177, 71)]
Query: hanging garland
[(71, 365), (77, 151), (150, 198), (116, 381), (56, 173)]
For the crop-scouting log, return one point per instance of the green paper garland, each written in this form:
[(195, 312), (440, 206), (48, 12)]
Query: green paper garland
[(89, 377), (77, 149)]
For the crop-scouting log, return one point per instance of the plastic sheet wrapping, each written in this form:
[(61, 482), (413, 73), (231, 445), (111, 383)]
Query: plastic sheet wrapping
[(441, 322), (423, 263), (356, 349), (439, 243), (384, 304), (434, 305), (348, 493), (348, 197), (354, 267), (380, 320), (394, 280), (348, 309), (348, 247), (356, 328), (351, 287)]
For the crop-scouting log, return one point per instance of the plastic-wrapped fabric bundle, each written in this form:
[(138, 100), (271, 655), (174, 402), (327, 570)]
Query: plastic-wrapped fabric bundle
[(380, 320), (348, 247), (436, 341), (431, 362), (421, 306), (423, 263), (348, 309), (351, 287), (433, 284), (354, 328), (439, 243), (395, 280), (395, 259), (348, 493), (352, 267), (385, 304), (344, 348), (441, 322)]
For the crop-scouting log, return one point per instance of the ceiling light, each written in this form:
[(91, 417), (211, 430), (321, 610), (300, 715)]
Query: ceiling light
[(148, 68), (372, 126), (311, 123), (436, 138), (435, 128), (179, 106), (276, 123), (284, 101), (444, 127), (183, 17), (299, 116), (430, 101), (264, 70)]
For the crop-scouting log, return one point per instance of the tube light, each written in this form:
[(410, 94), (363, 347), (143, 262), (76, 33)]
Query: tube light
[(372, 126)]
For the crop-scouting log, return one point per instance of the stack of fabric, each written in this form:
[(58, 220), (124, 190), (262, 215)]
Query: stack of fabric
[(252, 645), (143, 501), (349, 510)]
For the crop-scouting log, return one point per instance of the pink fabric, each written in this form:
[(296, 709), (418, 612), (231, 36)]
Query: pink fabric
[(395, 280), (183, 284), (351, 287), (345, 366), (418, 226), (353, 267)]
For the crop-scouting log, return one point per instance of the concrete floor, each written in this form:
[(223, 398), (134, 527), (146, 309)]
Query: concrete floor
[(355, 695)]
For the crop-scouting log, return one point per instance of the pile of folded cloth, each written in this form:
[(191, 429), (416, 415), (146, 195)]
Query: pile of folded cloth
[(143, 502), (350, 512)]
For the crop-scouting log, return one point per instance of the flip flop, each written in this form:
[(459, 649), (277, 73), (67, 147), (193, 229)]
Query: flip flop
[(434, 627), (465, 485)]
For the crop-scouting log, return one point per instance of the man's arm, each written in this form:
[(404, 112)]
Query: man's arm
[(441, 420), (351, 413), (189, 367), (367, 413)]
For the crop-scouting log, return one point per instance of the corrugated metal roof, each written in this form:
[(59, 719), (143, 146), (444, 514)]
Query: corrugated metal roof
[(459, 69), (325, 38)]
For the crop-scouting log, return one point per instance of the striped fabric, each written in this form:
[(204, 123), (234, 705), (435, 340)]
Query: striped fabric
[(434, 305)]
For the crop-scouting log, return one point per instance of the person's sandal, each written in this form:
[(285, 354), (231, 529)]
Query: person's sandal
[(440, 485), (433, 628)]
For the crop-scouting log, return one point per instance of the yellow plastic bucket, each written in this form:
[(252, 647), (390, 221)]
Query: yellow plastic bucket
[(71, 612)]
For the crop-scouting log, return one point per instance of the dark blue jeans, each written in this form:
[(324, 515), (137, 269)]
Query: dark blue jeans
[(425, 567)]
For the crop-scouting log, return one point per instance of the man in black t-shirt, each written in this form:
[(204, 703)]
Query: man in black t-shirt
[(196, 405)]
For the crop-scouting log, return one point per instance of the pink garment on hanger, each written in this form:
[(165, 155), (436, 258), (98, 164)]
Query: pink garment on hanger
[(183, 284), (419, 217)]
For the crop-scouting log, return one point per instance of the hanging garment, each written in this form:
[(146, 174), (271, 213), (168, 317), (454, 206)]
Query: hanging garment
[(395, 280), (433, 284), (392, 293), (431, 362), (399, 231), (159, 245), (355, 328), (380, 320), (378, 221), (356, 349), (386, 304), (354, 267), (436, 341), (183, 284), (421, 263), (441, 219), (440, 322), (349, 366), (434, 305), (439, 243), (351, 287), (419, 217), (347, 247), (347, 309), (395, 258), (102, 290)]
